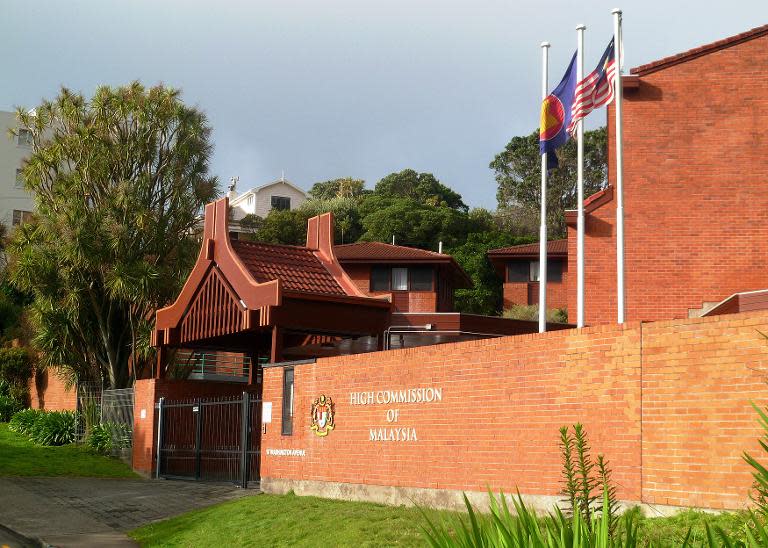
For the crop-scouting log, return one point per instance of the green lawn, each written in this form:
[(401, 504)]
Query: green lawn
[(21, 457), (288, 520), (272, 520)]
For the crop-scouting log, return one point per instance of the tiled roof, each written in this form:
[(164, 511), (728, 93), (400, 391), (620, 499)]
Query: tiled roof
[(700, 51), (297, 267), (362, 251), (554, 247)]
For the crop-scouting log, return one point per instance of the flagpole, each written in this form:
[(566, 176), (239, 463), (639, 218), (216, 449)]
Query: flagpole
[(543, 221), (580, 187), (619, 92)]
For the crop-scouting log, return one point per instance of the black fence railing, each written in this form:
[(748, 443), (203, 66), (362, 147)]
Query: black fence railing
[(211, 439)]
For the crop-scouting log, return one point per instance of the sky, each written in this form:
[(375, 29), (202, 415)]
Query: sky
[(320, 89)]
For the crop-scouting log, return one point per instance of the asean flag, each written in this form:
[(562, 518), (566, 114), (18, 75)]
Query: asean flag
[(556, 115)]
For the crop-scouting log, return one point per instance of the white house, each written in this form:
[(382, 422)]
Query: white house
[(16, 203), (280, 194)]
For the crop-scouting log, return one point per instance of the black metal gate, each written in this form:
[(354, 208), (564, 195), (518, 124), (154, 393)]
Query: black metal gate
[(211, 439)]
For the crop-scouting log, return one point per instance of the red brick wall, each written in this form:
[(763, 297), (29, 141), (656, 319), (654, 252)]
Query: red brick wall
[(418, 301), (149, 391), (695, 179), (599, 267), (667, 403), (48, 391), (518, 293)]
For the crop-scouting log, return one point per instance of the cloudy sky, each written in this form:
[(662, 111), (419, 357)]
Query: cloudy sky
[(333, 88)]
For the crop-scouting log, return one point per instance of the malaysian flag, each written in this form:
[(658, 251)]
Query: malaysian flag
[(596, 89)]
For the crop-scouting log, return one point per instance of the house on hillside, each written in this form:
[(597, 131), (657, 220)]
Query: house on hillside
[(16, 203), (259, 201)]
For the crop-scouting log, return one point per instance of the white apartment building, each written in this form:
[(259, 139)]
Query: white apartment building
[(16, 204)]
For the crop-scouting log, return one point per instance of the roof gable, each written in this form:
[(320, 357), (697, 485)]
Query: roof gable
[(700, 51), (380, 251)]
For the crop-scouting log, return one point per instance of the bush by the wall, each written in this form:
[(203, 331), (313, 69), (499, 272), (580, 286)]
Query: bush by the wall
[(107, 437), (45, 427), (16, 368)]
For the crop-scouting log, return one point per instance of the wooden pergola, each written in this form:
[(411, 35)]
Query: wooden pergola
[(262, 299)]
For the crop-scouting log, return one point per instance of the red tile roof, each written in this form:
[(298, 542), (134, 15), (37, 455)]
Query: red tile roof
[(377, 251), (706, 49), (555, 248), (297, 267)]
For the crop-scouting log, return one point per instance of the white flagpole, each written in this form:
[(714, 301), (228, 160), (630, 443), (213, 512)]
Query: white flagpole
[(619, 92), (543, 223), (580, 187)]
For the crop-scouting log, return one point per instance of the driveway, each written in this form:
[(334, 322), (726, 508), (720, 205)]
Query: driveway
[(98, 512)]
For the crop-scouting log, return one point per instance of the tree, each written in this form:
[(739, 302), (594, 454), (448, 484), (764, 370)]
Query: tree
[(518, 174), (486, 295), (420, 187), (119, 183), (346, 212), (282, 226), (346, 187)]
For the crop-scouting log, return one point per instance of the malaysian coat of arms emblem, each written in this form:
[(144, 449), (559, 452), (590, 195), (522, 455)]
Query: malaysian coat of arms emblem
[(322, 416)]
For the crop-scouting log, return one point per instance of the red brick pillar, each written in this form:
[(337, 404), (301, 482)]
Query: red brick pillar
[(144, 426)]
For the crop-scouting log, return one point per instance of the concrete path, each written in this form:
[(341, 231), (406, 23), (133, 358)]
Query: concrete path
[(98, 512)]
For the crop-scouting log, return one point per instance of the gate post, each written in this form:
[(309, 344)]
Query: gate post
[(245, 423), (198, 436), (159, 433)]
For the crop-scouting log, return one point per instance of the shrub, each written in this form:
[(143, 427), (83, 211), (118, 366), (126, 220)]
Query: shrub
[(45, 427), (531, 313), (23, 421), (15, 365), (109, 436), (8, 407)]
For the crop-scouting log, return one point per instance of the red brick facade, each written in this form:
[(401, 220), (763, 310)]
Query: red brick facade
[(403, 301), (48, 391), (653, 398), (526, 293), (695, 183)]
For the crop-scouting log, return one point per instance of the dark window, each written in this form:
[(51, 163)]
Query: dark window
[(24, 137), (20, 216), (421, 278), (518, 271), (379, 278), (554, 271), (287, 401), (281, 202)]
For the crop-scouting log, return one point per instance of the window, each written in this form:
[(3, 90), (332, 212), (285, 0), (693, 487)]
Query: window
[(24, 138), (421, 278), (379, 278), (518, 271), (528, 271), (19, 178), (281, 202), (554, 271), (399, 279), (384, 278), (20, 216), (287, 402)]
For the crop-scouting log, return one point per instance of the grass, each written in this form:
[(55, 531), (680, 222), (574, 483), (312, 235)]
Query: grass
[(21, 457), (289, 520)]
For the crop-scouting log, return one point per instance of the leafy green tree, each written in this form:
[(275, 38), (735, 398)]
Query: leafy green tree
[(486, 295), (420, 187), (518, 174), (282, 226), (412, 223), (346, 212), (345, 187), (251, 223), (119, 182)]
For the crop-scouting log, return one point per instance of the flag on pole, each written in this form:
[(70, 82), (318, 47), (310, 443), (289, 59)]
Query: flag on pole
[(556, 115), (596, 90)]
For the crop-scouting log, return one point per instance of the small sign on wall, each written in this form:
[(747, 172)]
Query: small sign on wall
[(266, 412), (143, 414)]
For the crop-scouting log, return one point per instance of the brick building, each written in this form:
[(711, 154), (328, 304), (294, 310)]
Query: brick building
[(416, 280), (695, 179), (518, 266)]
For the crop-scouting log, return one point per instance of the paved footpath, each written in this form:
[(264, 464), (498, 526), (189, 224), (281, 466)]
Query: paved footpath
[(98, 512)]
